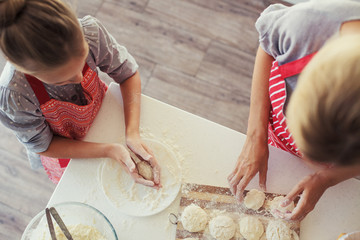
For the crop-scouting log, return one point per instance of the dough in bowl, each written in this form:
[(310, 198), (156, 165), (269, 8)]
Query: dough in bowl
[(251, 228), (194, 218), (278, 230), (222, 227), (254, 199)]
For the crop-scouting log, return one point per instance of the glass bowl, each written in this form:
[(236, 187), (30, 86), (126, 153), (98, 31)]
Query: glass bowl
[(72, 214)]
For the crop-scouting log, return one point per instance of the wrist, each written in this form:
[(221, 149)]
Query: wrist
[(132, 132), (257, 135)]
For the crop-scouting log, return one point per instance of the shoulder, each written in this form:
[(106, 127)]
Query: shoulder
[(309, 25), (15, 91)]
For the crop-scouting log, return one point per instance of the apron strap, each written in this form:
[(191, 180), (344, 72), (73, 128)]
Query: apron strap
[(295, 67), (39, 88)]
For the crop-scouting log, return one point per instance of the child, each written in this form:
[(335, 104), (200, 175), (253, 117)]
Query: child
[(323, 126), (50, 92)]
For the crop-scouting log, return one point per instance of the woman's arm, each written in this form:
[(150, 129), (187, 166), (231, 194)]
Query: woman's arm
[(131, 93), (255, 152)]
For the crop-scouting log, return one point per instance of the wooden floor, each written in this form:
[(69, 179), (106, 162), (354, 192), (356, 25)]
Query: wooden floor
[(194, 54)]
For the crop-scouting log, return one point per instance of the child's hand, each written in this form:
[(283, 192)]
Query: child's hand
[(136, 145), (253, 159), (119, 153)]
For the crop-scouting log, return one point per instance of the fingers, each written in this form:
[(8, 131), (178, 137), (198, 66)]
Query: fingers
[(241, 187), (292, 195), (263, 177), (129, 163), (234, 180), (301, 210)]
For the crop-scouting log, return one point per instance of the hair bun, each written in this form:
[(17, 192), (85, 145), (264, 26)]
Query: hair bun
[(10, 10)]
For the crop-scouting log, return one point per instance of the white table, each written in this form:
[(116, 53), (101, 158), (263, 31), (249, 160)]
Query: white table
[(207, 153)]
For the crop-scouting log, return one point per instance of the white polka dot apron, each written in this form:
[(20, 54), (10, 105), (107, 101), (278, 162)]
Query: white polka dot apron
[(279, 135), (67, 119)]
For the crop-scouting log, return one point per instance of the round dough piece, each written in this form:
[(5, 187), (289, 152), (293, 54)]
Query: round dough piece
[(222, 227), (191, 239), (251, 228), (275, 205), (194, 218), (278, 230), (254, 199)]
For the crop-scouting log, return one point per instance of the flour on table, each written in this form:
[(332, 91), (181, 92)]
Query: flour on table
[(278, 230), (136, 199), (222, 227), (254, 199), (251, 228), (194, 218)]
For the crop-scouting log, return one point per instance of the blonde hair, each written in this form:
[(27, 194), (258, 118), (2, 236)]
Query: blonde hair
[(324, 111), (39, 34)]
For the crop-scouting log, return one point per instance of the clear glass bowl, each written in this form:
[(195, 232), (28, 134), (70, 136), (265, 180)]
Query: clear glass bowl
[(72, 213)]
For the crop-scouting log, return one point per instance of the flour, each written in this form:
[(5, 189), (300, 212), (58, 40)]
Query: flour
[(136, 199), (79, 232)]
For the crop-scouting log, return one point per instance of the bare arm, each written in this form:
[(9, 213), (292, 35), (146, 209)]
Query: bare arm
[(131, 93), (255, 152)]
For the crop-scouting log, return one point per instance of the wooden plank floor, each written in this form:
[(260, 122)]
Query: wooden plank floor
[(194, 54)]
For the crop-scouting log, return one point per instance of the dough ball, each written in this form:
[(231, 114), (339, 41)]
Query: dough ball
[(278, 230), (275, 205), (191, 239), (222, 227), (251, 228), (145, 170), (254, 199), (194, 218)]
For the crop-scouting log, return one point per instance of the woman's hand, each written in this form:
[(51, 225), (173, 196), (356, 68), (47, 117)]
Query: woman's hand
[(253, 159), (311, 188), (136, 145)]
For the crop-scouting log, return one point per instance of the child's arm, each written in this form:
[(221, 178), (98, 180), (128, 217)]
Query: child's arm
[(313, 186), (131, 93), (61, 147), (255, 152)]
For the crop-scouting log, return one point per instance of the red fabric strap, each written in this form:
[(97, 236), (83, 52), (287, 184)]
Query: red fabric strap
[(295, 67), (39, 89), (64, 162)]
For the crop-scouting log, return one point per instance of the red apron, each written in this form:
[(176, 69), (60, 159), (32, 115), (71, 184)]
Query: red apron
[(67, 119), (279, 135)]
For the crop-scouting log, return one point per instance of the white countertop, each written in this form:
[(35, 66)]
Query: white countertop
[(207, 153)]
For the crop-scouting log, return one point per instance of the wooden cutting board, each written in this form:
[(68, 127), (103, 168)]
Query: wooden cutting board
[(219, 200)]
